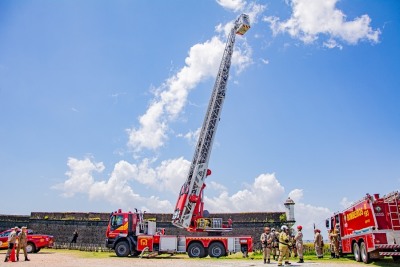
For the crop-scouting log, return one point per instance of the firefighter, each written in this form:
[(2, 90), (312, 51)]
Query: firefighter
[(331, 244), (274, 245), (318, 243), (299, 243), (22, 242), (12, 239), (284, 246), (266, 243), (334, 237), (292, 248)]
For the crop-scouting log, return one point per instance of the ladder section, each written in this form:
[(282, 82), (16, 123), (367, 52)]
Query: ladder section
[(392, 201), (187, 202), (394, 214)]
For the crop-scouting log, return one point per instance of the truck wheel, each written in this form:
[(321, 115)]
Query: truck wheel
[(30, 247), (364, 254), (216, 250), (356, 251), (396, 258), (196, 250), (122, 249)]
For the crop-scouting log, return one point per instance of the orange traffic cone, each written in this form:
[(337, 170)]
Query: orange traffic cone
[(12, 255)]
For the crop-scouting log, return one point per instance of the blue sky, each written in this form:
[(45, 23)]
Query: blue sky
[(101, 103)]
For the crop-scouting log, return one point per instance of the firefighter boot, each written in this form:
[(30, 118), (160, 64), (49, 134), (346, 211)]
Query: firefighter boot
[(265, 261), (268, 261), (26, 259), (287, 263), (301, 261), (6, 259)]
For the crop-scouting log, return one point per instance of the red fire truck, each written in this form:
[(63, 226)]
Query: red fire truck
[(129, 234), (370, 228)]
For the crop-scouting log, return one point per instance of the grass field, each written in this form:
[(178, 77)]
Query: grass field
[(388, 261)]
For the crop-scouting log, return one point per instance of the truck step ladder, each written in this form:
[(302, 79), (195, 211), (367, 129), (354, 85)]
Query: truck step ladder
[(392, 200)]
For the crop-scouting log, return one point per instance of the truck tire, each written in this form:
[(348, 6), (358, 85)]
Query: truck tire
[(196, 250), (30, 247), (216, 250), (356, 251), (396, 258), (364, 253), (122, 249)]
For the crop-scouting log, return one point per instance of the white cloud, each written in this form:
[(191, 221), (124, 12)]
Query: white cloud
[(234, 5), (296, 195), (307, 215), (265, 61), (266, 194), (192, 136), (312, 18), (80, 176), (263, 195), (216, 186), (202, 63), (331, 43), (119, 188), (345, 203), (254, 10)]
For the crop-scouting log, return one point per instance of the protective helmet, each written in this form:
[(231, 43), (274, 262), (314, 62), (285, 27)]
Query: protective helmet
[(284, 227), (273, 229), (299, 227)]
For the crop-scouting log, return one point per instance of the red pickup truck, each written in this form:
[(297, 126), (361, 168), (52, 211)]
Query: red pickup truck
[(35, 241)]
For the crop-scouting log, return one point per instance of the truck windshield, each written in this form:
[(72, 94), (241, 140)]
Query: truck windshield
[(116, 221)]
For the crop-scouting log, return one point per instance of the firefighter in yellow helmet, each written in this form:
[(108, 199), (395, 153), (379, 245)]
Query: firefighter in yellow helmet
[(284, 246)]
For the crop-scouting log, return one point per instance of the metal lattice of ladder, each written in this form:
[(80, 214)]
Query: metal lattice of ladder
[(392, 200)]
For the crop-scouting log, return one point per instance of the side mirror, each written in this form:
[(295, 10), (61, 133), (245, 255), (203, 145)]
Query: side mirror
[(327, 223)]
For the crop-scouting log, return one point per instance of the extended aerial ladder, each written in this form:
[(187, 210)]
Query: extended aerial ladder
[(188, 212)]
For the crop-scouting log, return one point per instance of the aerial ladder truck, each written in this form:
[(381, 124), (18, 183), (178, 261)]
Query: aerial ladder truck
[(189, 210), (128, 233)]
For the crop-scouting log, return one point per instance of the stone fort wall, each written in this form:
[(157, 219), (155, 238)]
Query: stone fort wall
[(92, 226)]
